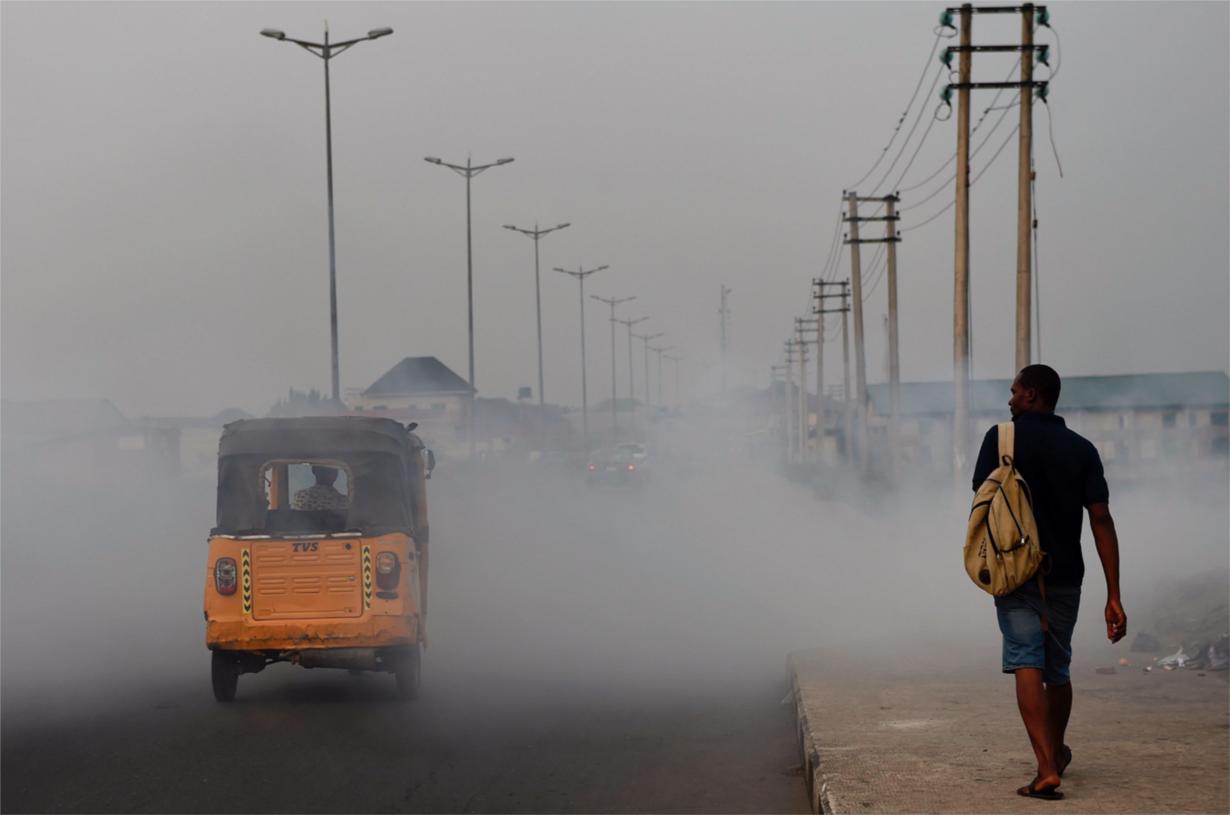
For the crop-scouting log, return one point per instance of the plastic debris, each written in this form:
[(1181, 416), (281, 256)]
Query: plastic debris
[(1124, 662), (1176, 660)]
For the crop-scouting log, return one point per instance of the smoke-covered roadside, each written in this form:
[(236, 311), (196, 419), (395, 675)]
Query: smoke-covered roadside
[(704, 577), (102, 575)]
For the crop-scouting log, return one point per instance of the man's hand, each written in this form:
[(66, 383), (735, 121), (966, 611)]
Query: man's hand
[(1116, 620)]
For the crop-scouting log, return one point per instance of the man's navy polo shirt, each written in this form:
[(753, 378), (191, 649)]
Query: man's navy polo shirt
[(1064, 473)]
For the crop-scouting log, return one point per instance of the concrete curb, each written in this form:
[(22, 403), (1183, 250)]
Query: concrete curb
[(819, 793)]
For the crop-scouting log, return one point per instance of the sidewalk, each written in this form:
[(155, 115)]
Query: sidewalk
[(877, 737)]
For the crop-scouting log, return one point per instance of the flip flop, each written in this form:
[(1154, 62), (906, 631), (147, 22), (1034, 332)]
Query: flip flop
[(1065, 757), (1047, 794)]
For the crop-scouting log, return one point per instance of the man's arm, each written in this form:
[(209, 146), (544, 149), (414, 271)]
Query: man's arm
[(988, 457), (1107, 543)]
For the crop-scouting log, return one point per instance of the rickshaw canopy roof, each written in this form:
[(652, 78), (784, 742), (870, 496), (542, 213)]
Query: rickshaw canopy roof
[(317, 436)]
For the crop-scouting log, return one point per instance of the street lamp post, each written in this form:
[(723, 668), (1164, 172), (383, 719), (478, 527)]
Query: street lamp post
[(468, 171), (631, 380), (645, 338), (537, 235), (675, 359), (327, 51), (613, 302), (658, 350), (580, 274)]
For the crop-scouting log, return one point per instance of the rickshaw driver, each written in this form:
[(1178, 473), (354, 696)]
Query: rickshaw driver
[(322, 495)]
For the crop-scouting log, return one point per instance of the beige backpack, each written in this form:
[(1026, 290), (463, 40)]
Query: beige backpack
[(1002, 550)]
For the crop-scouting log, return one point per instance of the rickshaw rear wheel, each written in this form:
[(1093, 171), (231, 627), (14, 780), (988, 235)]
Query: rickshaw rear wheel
[(407, 672), (224, 673)]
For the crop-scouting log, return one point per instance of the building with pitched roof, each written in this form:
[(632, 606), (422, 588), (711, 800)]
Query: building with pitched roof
[(423, 390)]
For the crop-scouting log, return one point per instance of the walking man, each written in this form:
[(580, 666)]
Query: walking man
[(1064, 474)]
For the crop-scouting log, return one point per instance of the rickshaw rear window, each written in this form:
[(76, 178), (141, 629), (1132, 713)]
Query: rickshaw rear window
[(306, 496)]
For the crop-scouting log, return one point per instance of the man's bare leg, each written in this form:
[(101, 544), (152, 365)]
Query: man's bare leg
[(1058, 709), (1031, 699)]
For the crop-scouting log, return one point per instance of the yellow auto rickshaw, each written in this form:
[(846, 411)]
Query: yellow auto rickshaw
[(319, 556)]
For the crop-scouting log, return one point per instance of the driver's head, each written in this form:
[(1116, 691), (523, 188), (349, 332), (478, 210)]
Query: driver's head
[(325, 475)]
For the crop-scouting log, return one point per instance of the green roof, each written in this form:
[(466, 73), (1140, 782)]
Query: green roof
[(1208, 389)]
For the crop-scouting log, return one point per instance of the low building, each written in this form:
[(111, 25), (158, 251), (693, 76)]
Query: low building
[(423, 390), (85, 439), (1134, 419)]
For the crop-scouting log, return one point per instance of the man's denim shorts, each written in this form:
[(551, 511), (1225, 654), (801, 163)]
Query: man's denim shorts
[(1025, 643)]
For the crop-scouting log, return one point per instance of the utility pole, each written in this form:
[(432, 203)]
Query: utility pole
[(847, 413), (960, 308), (538, 234), (1026, 85), (776, 371), (791, 400), (724, 312), (645, 338), (613, 302), (1024, 194), (801, 325), (891, 238), (580, 274), (819, 310), (631, 379), (860, 359)]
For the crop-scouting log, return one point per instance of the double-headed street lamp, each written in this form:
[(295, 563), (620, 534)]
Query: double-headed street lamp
[(631, 380), (659, 350), (468, 171), (645, 338), (613, 302), (537, 235), (327, 51), (580, 274), (676, 360)]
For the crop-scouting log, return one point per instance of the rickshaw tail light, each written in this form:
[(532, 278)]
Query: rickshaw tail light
[(388, 570), (225, 575), (631, 468)]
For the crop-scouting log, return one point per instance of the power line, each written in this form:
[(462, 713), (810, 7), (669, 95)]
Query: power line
[(910, 135), (828, 261), (904, 114), (973, 130), (953, 177), (974, 181)]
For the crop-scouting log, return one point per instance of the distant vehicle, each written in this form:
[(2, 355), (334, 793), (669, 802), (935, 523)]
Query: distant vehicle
[(626, 463), (319, 556)]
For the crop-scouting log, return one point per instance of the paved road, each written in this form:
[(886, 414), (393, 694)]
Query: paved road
[(324, 742), (590, 651)]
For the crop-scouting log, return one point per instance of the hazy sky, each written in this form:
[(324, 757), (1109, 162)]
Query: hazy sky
[(163, 236)]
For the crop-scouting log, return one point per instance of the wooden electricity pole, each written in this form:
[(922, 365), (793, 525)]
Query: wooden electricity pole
[(819, 310), (801, 326), (960, 307), (1024, 260), (774, 372), (791, 424), (1024, 196), (890, 238)]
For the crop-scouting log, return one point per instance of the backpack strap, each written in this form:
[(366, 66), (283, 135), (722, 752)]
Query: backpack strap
[(1007, 443)]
